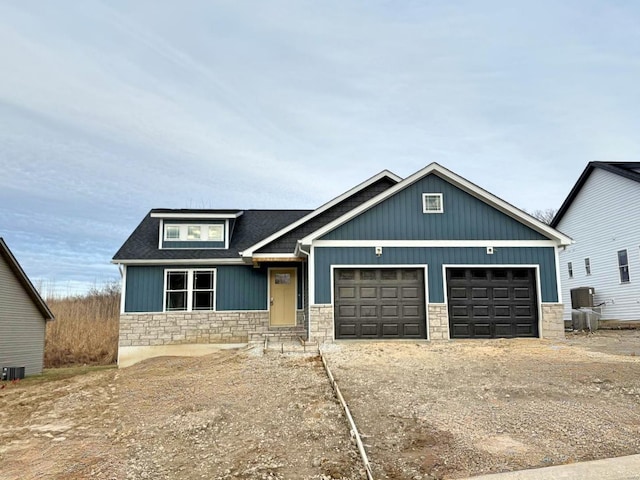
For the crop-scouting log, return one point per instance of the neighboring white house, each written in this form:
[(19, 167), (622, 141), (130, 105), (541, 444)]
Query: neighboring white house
[(602, 215)]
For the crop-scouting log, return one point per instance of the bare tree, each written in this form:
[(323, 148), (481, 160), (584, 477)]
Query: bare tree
[(545, 216)]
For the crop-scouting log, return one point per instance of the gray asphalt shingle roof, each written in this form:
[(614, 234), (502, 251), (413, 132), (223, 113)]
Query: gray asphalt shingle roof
[(251, 227)]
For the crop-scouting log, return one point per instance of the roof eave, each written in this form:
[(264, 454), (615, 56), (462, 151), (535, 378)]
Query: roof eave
[(462, 183), (24, 279)]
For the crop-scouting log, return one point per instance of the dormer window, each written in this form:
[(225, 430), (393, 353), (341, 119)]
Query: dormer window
[(194, 235), (172, 232), (432, 203), (194, 232)]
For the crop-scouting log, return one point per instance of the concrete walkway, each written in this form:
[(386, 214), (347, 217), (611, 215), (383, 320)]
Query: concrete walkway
[(619, 468)]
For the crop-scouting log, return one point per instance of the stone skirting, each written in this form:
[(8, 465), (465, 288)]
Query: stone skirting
[(175, 328), (321, 323), (552, 324), (438, 321)]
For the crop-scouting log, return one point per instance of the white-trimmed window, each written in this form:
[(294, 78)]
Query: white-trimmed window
[(623, 266), (587, 266), (189, 289), (432, 203), (172, 232), (216, 233), (194, 232), (570, 269)]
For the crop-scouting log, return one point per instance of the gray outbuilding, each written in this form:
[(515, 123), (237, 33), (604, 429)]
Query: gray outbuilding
[(23, 317)]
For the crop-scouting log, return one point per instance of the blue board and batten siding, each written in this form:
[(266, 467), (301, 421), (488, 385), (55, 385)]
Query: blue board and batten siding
[(238, 287), (465, 217), (434, 258), (400, 217)]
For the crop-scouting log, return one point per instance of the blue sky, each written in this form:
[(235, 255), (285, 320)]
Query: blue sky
[(109, 109)]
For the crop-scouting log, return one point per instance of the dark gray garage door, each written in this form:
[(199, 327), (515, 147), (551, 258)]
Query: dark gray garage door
[(379, 303), (492, 303)]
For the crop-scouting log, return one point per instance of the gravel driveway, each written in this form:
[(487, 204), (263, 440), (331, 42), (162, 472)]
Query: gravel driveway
[(463, 408), (438, 410)]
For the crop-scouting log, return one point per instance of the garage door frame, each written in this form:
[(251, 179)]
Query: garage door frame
[(535, 267), (421, 266)]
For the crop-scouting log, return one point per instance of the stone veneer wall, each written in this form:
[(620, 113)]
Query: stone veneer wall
[(552, 325), (321, 323), (151, 329), (438, 321)]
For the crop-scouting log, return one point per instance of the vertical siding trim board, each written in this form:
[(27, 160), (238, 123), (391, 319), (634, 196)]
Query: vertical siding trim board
[(536, 269), (123, 292), (418, 266)]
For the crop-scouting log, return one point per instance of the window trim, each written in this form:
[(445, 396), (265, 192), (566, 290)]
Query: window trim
[(621, 267), (204, 231), (190, 290), (424, 203), (570, 269)]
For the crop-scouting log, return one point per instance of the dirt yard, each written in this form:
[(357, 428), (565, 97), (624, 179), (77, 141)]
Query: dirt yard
[(427, 410)]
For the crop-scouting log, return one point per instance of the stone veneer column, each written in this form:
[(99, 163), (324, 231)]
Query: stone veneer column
[(438, 321), (321, 323), (552, 325)]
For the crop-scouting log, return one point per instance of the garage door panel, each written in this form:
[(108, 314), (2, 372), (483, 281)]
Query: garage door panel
[(369, 330), (411, 311), (412, 330), (492, 302), (389, 292), (458, 292), (347, 330), (504, 330), (347, 292), (478, 293), (347, 311), (482, 329), (388, 303), (480, 311), (368, 292), (368, 311), (461, 330), (390, 330), (410, 293), (390, 311)]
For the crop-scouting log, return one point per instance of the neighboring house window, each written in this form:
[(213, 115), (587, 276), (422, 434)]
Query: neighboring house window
[(570, 268), (623, 266), (587, 266), (189, 289), (432, 203)]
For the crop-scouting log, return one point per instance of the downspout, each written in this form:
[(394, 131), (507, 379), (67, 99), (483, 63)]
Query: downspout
[(299, 249)]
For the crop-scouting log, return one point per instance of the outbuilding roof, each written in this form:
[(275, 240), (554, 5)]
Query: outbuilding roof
[(630, 170), (24, 281)]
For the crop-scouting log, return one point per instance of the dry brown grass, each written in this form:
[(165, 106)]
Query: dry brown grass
[(85, 330)]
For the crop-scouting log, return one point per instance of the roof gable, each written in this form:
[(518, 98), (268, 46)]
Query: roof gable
[(629, 170), (285, 240), (527, 226), (22, 278)]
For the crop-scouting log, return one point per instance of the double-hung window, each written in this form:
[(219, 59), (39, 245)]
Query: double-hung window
[(623, 266), (587, 266), (189, 289)]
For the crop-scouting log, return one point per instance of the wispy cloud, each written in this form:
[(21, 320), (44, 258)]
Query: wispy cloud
[(108, 109)]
